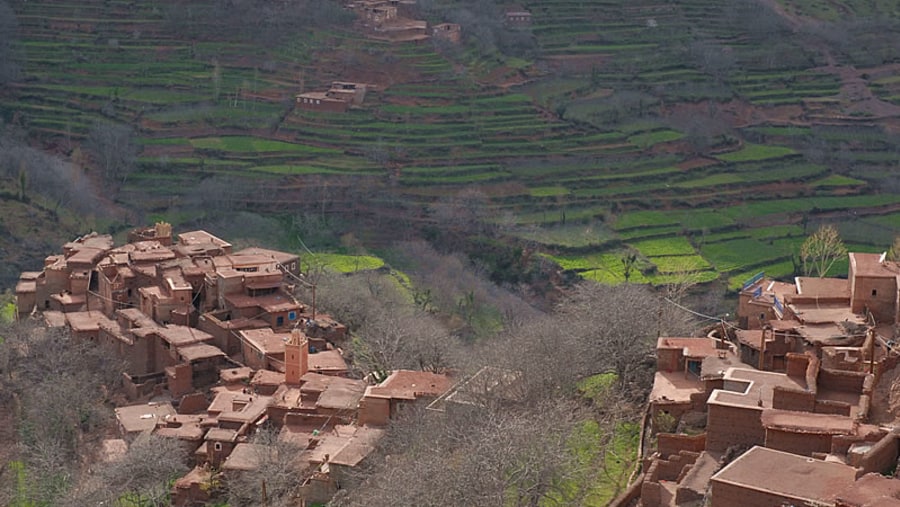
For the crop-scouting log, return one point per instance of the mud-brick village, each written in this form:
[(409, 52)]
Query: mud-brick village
[(216, 347), (792, 404), (795, 405)]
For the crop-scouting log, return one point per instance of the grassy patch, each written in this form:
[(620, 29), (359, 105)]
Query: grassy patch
[(596, 387), (606, 268), (344, 263), (678, 245), (736, 254), (548, 191), (671, 264), (649, 139), (254, 145), (838, 180), (755, 152)]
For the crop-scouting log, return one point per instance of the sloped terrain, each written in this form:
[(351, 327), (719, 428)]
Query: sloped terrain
[(703, 135)]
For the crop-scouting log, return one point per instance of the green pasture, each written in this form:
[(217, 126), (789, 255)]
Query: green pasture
[(342, 263), (676, 245), (838, 180), (756, 152), (648, 139), (254, 145), (671, 264)]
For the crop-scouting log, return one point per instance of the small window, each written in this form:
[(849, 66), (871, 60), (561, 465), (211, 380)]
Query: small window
[(217, 446), (279, 321), (874, 292), (292, 315), (318, 102)]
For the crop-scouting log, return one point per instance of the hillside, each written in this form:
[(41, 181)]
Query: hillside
[(705, 136)]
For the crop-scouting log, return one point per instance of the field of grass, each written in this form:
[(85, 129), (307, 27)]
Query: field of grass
[(342, 263), (253, 145), (756, 152), (578, 144)]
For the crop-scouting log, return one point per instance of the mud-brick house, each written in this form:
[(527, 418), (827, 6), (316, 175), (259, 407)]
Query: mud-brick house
[(353, 93), (64, 283), (874, 287), (680, 384), (517, 18), (381, 402), (764, 476), (450, 32), (375, 12), (322, 101)]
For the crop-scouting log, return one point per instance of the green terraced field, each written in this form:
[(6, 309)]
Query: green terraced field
[(603, 143)]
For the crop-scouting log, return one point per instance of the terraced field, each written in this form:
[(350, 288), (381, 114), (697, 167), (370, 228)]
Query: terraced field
[(676, 131)]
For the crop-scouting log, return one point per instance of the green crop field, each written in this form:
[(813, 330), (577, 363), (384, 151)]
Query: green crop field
[(680, 130)]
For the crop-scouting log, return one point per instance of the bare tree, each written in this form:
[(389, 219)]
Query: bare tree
[(114, 148), (142, 476), (57, 387), (821, 250), (472, 456), (403, 338), (894, 252), (44, 177), (275, 478)]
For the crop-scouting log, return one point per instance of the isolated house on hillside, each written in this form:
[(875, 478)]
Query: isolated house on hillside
[(517, 18), (450, 32), (337, 99)]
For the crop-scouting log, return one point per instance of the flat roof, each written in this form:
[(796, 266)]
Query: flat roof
[(336, 392), (26, 287), (823, 314), (137, 317), (200, 237), (674, 387), (244, 457), (87, 321), (822, 287), (179, 336), (327, 361), (265, 340), (714, 367), (254, 409), (757, 388), (409, 385), (54, 318), (806, 422), (198, 351), (267, 378), (92, 240), (692, 347), (797, 477), (345, 445), (869, 265), (86, 256), (183, 427), (270, 303), (137, 418)]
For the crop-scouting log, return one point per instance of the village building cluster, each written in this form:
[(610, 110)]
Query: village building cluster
[(215, 347), (790, 407), (392, 21)]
